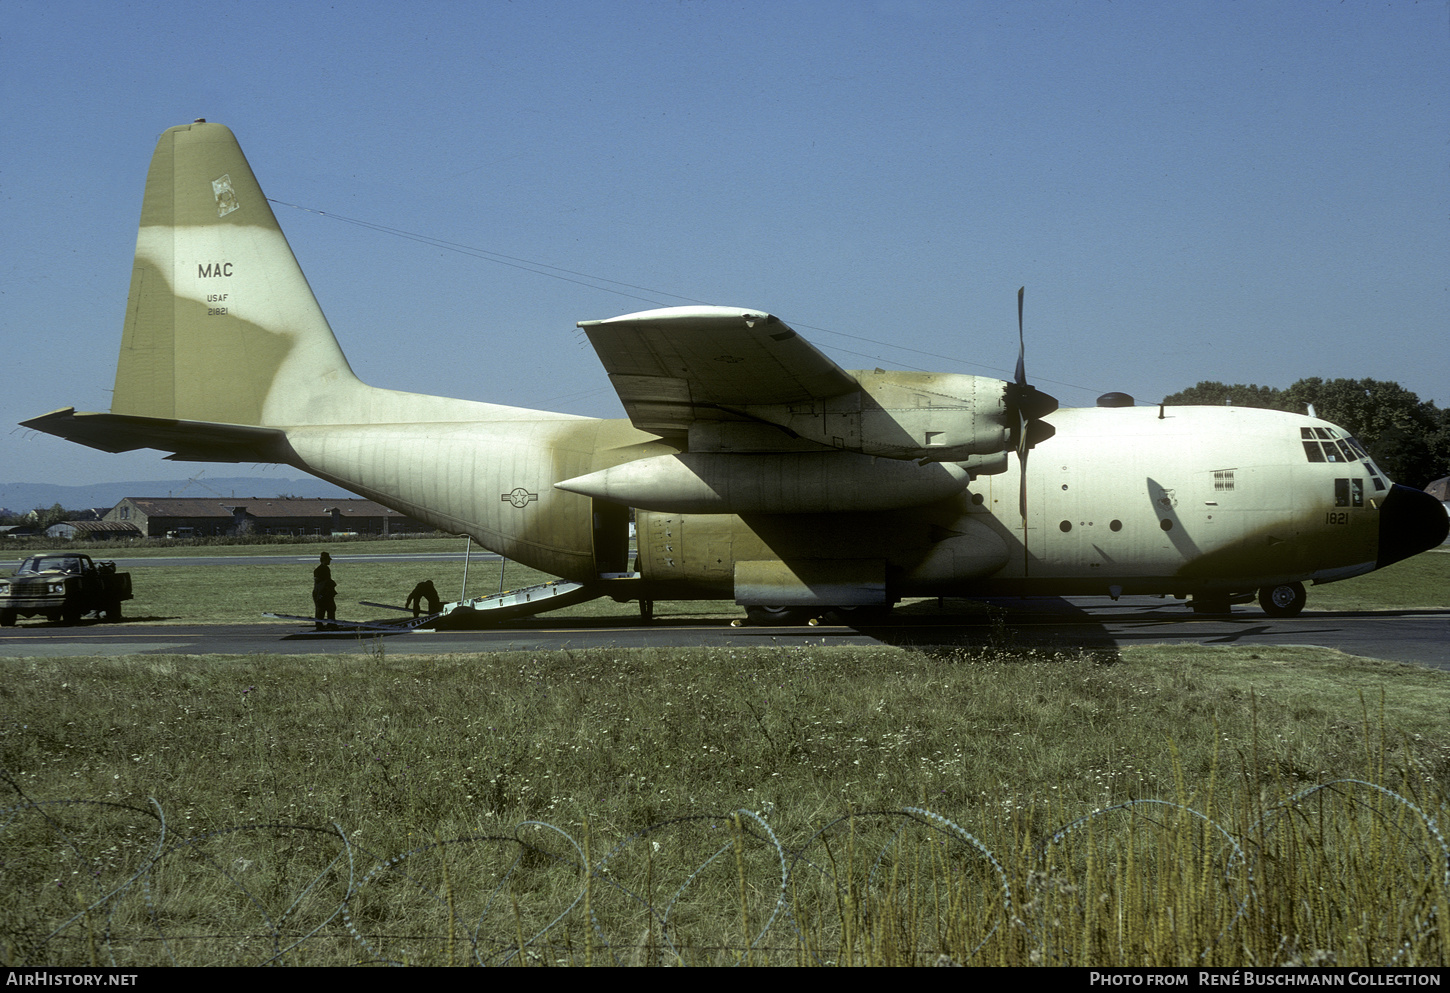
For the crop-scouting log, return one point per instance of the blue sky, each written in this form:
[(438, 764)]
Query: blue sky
[(1249, 192)]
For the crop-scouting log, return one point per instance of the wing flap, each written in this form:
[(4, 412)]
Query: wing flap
[(680, 364)]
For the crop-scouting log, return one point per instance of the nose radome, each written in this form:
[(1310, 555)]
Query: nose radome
[(1411, 522)]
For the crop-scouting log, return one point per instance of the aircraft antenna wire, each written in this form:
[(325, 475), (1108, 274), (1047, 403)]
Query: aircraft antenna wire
[(593, 282), (488, 255)]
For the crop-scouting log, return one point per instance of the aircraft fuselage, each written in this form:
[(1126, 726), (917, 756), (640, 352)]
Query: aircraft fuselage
[(1186, 500), (755, 467)]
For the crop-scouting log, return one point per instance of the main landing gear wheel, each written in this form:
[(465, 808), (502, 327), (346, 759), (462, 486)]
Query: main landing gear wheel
[(869, 615), (646, 611), (1285, 600), (777, 616)]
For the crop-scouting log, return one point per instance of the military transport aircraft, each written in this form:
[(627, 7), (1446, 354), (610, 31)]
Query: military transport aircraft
[(757, 469)]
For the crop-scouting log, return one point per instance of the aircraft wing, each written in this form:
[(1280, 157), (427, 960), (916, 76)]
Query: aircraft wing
[(682, 364)]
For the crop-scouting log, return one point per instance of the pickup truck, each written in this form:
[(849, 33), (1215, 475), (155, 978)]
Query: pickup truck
[(63, 586)]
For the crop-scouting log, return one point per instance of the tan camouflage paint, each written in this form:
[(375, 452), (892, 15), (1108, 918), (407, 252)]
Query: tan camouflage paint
[(227, 356)]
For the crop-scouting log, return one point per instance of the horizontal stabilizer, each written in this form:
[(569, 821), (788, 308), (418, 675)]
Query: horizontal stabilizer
[(189, 441)]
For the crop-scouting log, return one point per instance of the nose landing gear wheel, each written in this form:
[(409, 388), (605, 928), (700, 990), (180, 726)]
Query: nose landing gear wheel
[(1285, 600)]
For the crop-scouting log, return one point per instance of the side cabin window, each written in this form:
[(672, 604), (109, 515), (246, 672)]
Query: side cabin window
[(1349, 492)]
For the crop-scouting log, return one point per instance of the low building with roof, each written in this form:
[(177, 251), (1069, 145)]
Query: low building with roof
[(93, 530), (160, 517)]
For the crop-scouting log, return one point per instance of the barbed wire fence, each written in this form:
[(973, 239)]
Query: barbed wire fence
[(108, 883)]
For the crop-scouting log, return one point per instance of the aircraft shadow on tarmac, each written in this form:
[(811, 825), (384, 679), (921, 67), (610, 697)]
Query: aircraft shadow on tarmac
[(1045, 623), (969, 633), (1029, 628)]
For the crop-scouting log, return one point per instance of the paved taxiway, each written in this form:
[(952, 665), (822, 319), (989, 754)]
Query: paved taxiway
[(1417, 636)]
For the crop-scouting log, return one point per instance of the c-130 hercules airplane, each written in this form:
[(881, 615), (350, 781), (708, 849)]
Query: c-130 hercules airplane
[(757, 469)]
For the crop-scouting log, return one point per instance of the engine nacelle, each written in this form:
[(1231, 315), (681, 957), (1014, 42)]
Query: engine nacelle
[(937, 417), (770, 483)]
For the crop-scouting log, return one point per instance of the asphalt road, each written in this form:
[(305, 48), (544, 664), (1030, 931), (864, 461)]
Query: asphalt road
[(1415, 636), (125, 564)]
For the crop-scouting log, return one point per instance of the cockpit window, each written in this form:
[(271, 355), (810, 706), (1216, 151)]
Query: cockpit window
[(1374, 475), (1325, 445), (1312, 451), (1326, 451)]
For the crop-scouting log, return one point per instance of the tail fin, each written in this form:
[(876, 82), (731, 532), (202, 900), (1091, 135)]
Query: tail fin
[(224, 347), (221, 325)]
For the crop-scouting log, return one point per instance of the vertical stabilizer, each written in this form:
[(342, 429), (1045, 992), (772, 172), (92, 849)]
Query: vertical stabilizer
[(221, 325)]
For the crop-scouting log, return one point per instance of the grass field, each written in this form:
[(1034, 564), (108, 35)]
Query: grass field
[(243, 593), (1158, 805), (215, 789)]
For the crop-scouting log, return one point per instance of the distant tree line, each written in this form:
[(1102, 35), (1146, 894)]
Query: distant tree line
[(40, 517), (1408, 437)]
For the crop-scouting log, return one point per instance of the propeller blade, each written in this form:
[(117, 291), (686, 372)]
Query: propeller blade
[(1022, 491), (1031, 405), (1021, 342), (1022, 506)]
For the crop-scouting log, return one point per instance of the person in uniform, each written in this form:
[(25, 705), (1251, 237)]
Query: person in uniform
[(424, 593), (324, 593)]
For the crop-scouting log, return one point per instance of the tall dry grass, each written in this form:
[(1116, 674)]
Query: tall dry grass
[(852, 806)]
